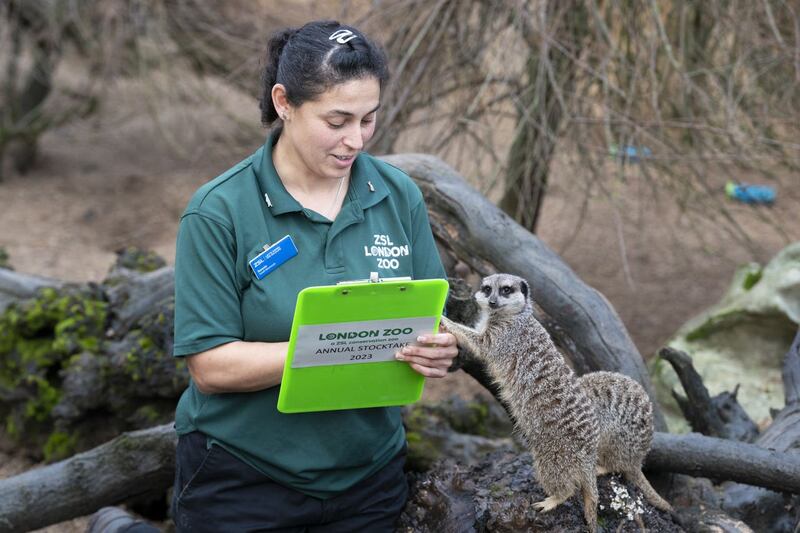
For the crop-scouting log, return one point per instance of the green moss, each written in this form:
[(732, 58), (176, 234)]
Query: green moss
[(476, 422), (38, 408), (38, 339), (751, 278), (421, 452), (59, 446), (139, 260), (11, 427), (498, 490), (712, 324), (148, 413), (4, 259)]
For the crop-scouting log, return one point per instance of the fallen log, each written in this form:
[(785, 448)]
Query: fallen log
[(701, 456), (131, 465), (472, 229), (142, 462), (15, 286), (136, 296), (82, 363)]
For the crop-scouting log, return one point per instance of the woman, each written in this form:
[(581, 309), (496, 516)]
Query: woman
[(242, 465)]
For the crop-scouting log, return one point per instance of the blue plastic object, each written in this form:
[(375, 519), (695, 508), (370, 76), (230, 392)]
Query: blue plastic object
[(629, 153), (750, 194)]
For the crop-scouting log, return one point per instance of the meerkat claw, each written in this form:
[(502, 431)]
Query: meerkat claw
[(548, 504)]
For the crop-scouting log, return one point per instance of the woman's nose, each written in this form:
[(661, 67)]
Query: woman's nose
[(354, 138)]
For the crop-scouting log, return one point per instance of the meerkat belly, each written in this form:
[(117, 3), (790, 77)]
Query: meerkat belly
[(566, 417), (563, 442)]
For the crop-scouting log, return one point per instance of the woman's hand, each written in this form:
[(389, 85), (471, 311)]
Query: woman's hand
[(432, 356)]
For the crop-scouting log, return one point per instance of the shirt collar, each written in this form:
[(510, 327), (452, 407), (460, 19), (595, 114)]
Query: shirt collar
[(366, 187)]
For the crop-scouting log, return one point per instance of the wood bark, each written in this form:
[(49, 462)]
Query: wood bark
[(719, 416), (137, 296), (701, 456), (140, 462), (478, 233), (131, 465), (15, 286)]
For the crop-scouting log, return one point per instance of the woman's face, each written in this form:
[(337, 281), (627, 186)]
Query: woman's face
[(327, 133)]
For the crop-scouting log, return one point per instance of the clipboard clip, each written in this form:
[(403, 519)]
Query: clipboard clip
[(374, 278)]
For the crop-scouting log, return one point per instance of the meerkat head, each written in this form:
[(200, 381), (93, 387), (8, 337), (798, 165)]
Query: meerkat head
[(504, 294)]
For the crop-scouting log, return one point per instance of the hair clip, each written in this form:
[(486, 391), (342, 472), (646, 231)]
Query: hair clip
[(342, 36)]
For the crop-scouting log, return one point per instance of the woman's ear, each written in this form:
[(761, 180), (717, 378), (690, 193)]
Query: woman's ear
[(280, 101)]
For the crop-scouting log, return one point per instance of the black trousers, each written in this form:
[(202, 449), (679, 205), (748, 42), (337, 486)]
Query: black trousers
[(216, 492)]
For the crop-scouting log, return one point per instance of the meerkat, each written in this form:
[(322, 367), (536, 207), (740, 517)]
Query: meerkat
[(575, 427)]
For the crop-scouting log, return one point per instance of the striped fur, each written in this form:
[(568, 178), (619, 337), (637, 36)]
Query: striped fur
[(573, 426)]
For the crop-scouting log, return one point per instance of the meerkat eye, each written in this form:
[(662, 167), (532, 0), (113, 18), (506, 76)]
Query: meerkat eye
[(505, 291), (487, 290)]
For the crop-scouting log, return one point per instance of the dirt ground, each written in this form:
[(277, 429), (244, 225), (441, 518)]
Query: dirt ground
[(124, 176)]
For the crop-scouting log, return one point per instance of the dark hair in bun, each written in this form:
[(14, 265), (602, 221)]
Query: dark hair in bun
[(310, 60)]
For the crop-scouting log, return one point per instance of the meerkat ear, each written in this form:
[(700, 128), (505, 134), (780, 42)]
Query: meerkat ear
[(523, 287)]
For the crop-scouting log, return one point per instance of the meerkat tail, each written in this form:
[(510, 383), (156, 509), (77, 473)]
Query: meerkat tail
[(589, 493), (637, 478)]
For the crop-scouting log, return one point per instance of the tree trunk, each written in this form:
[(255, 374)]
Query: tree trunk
[(23, 103), (551, 81)]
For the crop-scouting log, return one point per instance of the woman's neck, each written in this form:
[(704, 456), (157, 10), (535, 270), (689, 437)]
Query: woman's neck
[(320, 194), (293, 172)]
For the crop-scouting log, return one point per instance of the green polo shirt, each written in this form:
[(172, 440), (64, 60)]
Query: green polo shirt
[(382, 227)]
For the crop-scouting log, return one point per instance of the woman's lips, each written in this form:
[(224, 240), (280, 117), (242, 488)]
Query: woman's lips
[(344, 161)]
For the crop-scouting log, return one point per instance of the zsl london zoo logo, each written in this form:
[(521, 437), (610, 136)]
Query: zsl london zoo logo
[(385, 252)]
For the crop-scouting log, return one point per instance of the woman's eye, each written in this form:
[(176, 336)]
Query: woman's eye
[(335, 125)]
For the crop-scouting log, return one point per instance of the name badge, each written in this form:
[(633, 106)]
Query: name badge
[(273, 257)]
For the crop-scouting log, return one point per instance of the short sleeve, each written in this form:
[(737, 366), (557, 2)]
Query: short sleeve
[(207, 298), (425, 256)]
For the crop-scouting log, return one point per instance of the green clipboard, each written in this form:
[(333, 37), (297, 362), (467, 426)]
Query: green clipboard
[(343, 340)]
